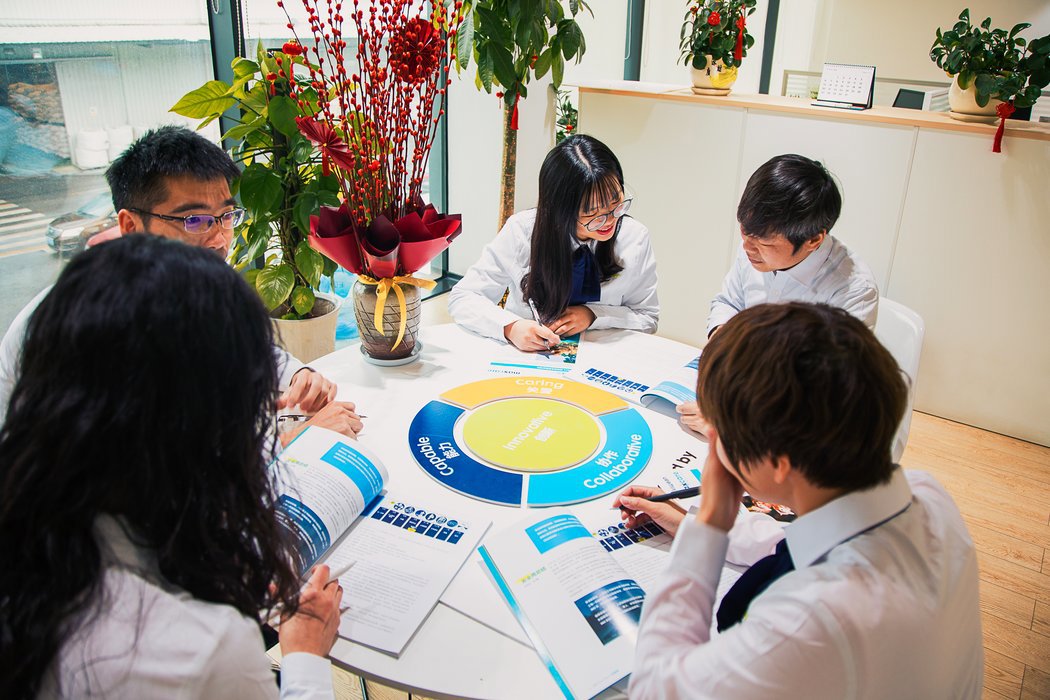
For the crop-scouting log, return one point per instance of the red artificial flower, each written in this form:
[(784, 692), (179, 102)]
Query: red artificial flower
[(415, 51), (568, 127), (292, 49), (331, 145), (714, 18)]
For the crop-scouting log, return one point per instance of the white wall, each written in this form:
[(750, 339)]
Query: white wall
[(893, 35)]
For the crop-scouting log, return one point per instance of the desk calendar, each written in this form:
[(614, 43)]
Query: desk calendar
[(846, 86)]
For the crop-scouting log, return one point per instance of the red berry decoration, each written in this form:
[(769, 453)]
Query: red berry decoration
[(415, 51), (714, 19)]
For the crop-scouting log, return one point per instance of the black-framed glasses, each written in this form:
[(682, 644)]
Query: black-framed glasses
[(202, 223), (596, 222)]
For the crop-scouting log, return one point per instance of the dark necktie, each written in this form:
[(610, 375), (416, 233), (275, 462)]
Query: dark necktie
[(586, 277), (749, 586)]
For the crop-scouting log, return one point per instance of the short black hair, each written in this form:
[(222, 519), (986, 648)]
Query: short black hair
[(791, 195), (137, 177), (808, 382)]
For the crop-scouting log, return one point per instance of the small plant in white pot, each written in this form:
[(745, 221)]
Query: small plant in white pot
[(994, 71), (714, 42)]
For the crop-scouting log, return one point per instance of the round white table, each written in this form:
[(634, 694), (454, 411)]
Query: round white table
[(452, 655)]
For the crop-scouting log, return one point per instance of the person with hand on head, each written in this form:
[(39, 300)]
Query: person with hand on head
[(787, 252), (872, 591), (576, 261), (175, 183), (138, 518)]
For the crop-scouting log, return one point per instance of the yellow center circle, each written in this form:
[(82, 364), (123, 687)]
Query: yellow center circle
[(531, 434)]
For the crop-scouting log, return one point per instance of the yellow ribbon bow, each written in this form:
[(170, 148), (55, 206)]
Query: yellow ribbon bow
[(383, 288)]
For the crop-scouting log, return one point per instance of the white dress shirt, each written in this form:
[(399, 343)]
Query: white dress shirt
[(11, 351), (882, 604), (831, 274), (153, 640), (628, 299)]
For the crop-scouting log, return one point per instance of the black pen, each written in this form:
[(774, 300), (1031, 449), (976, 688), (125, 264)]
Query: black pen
[(683, 493)]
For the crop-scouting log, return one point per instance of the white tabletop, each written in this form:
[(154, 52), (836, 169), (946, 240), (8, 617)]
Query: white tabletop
[(452, 655)]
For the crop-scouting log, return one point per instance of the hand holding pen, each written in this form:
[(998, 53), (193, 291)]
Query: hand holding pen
[(530, 336), (641, 504)]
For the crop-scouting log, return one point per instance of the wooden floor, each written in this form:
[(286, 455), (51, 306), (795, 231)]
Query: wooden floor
[(1002, 487)]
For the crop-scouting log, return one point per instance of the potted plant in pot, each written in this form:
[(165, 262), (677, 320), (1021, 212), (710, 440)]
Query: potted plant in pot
[(714, 41), (374, 132), (283, 182), (994, 71)]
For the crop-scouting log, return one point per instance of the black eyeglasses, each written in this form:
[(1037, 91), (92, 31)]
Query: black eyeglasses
[(202, 223), (596, 222)]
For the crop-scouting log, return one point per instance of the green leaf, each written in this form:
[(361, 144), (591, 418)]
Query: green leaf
[(275, 284), (303, 300), (503, 65), (309, 262), (243, 69), (261, 188), (250, 277), (543, 63), (238, 132), (282, 115), (985, 83), (492, 26), (208, 99), (485, 72), (258, 238), (557, 68), (465, 40), (570, 36)]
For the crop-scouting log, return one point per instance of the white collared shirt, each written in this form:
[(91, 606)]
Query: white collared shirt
[(882, 604), (153, 640), (628, 300), (831, 274), (11, 351)]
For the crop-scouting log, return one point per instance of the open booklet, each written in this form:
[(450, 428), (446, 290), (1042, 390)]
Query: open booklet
[(572, 595), (401, 555)]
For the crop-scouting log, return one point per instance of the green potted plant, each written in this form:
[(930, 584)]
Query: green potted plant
[(283, 182), (514, 42), (714, 41), (991, 67)]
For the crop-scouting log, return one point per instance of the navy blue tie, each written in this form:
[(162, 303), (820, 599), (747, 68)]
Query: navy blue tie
[(753, 582), (586, 277)]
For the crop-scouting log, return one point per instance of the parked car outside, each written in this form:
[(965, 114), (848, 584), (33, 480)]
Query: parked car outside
[(69, 233)]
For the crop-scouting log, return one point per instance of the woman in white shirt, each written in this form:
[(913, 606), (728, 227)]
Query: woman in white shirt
[(138, 519), (572, 263)]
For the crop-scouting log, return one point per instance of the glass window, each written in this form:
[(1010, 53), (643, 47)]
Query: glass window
[(78, 83)]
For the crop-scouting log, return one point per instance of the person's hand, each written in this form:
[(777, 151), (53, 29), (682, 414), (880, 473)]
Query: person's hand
[(339, 416), (636, 510), (575, 319), (315, 625), (722, 492), (690, 416), (530, 336), (309, 390)]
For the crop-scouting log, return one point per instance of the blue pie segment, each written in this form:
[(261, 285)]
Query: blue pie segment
[(627, 449), (432, 441)]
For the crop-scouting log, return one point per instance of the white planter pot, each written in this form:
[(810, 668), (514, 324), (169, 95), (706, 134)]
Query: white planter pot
[(715, 79), (963, 104), (310, 338)]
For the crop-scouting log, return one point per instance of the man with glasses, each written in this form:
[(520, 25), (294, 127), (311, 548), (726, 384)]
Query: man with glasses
[(175, 183)]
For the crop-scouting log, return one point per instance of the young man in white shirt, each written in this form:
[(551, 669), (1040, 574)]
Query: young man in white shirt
[(787, 252), (175, 183), (872, 592)]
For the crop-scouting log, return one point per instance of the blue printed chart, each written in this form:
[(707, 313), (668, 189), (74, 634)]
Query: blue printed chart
[(531, 441)]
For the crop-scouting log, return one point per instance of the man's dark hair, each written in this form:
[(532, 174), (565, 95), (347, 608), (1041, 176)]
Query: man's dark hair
[(808, 382), (790, 195), (137, 178)]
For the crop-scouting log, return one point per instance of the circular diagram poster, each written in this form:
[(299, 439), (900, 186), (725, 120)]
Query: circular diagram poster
[(533, 441)]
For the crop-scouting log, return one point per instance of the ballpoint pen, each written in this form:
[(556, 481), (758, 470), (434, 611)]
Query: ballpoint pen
[(536, 318)]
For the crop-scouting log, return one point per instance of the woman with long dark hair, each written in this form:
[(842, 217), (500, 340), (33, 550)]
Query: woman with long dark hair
[(574, 262), (138, 532)]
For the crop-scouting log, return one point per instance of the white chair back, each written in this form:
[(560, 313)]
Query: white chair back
[(901, 331)]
